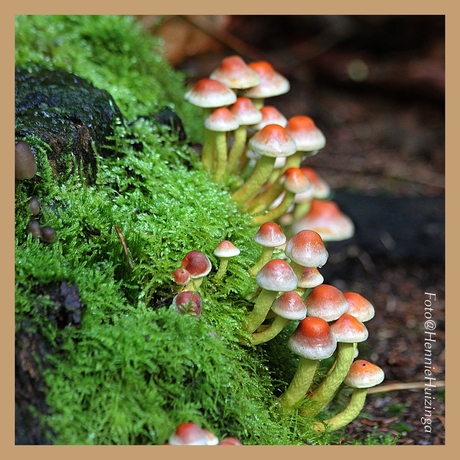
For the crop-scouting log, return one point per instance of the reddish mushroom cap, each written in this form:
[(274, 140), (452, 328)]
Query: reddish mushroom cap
[(208, 93), (326, 302), (181, 276), (313, 339), (271, 116), (230, 441), (325, 218), (290, 305), (197, 264), (363, 374), (188, 302), (306, 134), (307, 249), (271, 82), (221, 119), (245, 111), (270, 235), (273, 141), (348, 329), (188, 434), (226, 249), (235, 73), (320, 187), (295, 181), (310, 278), (359, 307), (277, 275)]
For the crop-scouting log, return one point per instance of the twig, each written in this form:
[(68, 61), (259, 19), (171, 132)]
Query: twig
[(402, 386), (125, 247)]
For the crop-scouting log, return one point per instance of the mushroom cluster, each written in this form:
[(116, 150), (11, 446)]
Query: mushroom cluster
[(266, 153), (330, 324), (264, 150)]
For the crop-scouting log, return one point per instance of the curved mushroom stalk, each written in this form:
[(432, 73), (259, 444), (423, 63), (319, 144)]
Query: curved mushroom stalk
[(361, 376), (354, 408), (312, 341)]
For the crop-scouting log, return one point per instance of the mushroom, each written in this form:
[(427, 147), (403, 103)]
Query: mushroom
[(198, 265), (361, 376), (313, 341), (325, 218), (348, 331), (271, 83), (48, 234), (359, 307), (269, 236), (270, 142), (246, 114), (34, 205), (326, 302), (181, 276), (25, 166), (219, 123), (230, 441), (289, 306), (306, 134), (306, 249), (209, 94), (270, 116), (33, 227), (320, 190), (310, 278), (274, 277), (224, 251), (188, 434), (187, 302), (235, 73)]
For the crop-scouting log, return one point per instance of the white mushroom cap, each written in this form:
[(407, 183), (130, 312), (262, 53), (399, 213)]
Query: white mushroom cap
[(226, 249), (363, 374), (277, 275), (188, 434), (313, 339), (348, 329), (208, 93)]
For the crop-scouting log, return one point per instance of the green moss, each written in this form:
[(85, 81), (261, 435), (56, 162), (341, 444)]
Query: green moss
[(135, 369)]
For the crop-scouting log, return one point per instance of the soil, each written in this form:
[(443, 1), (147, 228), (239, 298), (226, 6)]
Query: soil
[(375, 87)]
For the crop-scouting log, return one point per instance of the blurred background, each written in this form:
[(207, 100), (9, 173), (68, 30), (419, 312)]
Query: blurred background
[(375, 86)]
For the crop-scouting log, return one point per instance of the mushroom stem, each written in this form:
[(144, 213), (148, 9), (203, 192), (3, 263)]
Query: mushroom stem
[(300, 210), (237, 149), (355, 406), (256, 180), (263, 201), (261, 307), (222, 268), (266, 255), (275, 213), (220, 139), (326, 390), (278, 324), (207, 153), (300, 383)]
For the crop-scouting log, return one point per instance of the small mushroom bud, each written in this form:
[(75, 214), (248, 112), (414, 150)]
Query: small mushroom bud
[(25, 164), (188, 302), (33, 227), (34, 205), (48, 234)]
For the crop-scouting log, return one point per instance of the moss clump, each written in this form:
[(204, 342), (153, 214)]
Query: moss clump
[(133, 369)]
